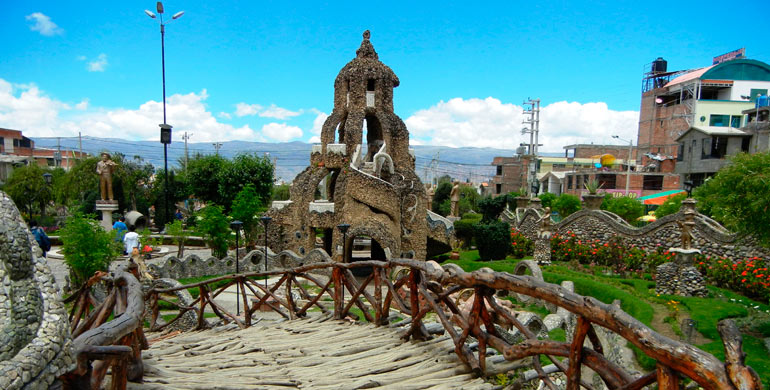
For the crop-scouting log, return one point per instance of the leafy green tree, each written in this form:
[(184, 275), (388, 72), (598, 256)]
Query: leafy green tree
[(491, 208), (440, 195), (465, 228), (79, 187), (546, 199), (566, 204), (738, 196), (626, 207), (87, 247), (178, 191), (27, 187), (670, 206), (215, 229), (177, 231), (281, 192), (246, 207), (131, 181), (469, 199), (216, 179)]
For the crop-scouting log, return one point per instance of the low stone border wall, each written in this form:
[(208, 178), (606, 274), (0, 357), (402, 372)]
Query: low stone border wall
[(708, 235), (194, 266)]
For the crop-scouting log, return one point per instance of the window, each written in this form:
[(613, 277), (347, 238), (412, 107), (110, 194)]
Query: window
[(680, 153), (718, 147), (569, 182), (498, 188), (559, 166), (735, 121), (370, 85), (745, 142), (719, 120), (653, 182), (706, 149), (606, 181), (499, 170)]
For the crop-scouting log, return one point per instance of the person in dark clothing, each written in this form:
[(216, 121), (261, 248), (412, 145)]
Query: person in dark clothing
[(42, 239)]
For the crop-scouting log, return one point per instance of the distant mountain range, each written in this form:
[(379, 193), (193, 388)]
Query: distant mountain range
[(473, 164)]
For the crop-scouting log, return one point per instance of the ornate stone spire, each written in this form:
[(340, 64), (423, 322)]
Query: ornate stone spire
[(366, 50)]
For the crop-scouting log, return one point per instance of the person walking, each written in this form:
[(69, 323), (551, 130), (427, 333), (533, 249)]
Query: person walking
[(42, 239), (131, 241), (120, 228)]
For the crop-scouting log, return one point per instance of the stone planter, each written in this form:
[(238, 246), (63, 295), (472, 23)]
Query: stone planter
[(522, 202), (592, 202)]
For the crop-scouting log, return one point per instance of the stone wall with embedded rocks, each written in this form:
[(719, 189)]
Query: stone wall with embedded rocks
[(193, 266), (708, 235), (35, 342)]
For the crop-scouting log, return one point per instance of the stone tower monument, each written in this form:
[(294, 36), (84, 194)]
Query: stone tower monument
[(362, 174)]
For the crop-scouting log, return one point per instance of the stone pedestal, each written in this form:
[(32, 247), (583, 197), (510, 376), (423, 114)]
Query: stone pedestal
[(680, 277), (542, 253), (522, 202), (107, 207)]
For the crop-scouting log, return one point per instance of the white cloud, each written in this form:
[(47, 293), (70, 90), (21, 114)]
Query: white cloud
[(83, 105), (281, 132), (224, 115), (491, 123), (278, 112), (81, 58), (314, 140), (99, 64), (243, 109), (26, 108), (43, 24), (318, 122)]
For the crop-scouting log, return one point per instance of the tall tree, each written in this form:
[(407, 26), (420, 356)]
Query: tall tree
[(738, 196), (27, 187)]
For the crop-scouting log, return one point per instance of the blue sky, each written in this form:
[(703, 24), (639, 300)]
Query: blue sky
[(264, 71)]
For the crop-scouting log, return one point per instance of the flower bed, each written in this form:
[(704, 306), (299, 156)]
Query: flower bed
[(749, 277), (614, 254), (521, 246)]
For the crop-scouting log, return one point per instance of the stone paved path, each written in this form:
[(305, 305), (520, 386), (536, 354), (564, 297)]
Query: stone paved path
[(303, 354)]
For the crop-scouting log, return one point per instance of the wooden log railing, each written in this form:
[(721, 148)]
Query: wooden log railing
[(427, 287), (100, 344)]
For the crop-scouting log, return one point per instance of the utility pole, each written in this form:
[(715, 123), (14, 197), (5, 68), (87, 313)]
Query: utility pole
[(185, 137), (217, 145), (80, 144), (532, 109)]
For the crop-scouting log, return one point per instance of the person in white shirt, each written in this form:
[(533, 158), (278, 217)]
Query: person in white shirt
[(130, 240)]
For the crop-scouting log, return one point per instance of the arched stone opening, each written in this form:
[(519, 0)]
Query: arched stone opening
[(361, 248), (339, 131), (372, 132)]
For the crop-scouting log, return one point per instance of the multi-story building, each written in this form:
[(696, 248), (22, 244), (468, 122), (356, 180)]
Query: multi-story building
[(16, 149), (703, 150), (713, 96)]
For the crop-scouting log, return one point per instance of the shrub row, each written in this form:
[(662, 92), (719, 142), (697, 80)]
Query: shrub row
[(749, 277)]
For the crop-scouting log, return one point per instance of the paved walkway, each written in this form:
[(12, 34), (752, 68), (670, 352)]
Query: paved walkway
[(315, 353)]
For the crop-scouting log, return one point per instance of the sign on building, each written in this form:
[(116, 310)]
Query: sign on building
[(733, 55)]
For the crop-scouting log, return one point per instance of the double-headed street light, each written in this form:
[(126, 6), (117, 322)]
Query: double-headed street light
[(165, 129), (628, 162)]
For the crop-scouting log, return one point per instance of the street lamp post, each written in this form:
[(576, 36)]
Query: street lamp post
[(165, 129), (236, 226), (266, 220), (628, 162)]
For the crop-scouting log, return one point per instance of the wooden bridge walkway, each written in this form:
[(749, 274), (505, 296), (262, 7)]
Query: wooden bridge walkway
[(315, 353)]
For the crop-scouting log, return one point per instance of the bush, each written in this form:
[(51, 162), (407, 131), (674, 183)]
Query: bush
[(521, 246), (670, 206), (615, 254), (748, 277), (493, 240), (87, 247), (625, 207), (439, 196), (566, 204), (177, 231), (246, 206), (215, 229), (546, 199), (464, 228)]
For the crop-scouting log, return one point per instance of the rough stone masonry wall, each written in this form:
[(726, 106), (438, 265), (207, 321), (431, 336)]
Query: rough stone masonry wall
[(193, 266), (35, 342), (708, 236)]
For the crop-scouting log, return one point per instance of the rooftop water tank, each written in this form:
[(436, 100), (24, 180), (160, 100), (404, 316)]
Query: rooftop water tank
[(659, 65)]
